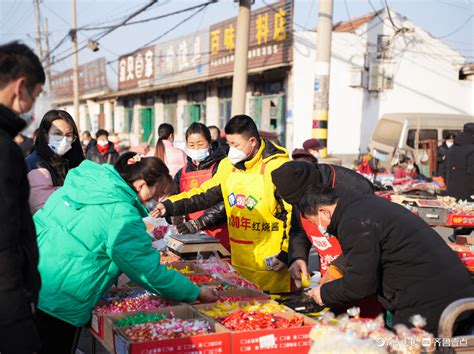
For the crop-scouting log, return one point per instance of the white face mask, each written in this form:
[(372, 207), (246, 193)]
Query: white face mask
[(235, 155), (449, 144), (59, 147), (316, 154), (197, 155), (86, 142), (102, 142), (321, 228)]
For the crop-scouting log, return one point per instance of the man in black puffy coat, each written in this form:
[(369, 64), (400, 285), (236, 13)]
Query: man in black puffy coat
[(291, 181), (460, 161), (390, 252), (21, 80)]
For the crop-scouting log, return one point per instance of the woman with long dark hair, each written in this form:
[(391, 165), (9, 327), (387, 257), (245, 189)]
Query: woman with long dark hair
[(173, 157), (89, 232), (57, 150)]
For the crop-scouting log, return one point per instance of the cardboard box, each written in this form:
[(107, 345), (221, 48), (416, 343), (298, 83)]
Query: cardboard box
[(272, 341), (211, 343), (243, 292), (460, 220), (465, 240), (98, 323)]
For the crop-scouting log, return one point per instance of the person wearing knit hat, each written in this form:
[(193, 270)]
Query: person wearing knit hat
[(313, 146), (303, 155), (291, 180)]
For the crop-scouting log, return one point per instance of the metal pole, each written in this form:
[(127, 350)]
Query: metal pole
[(321, 85), (47, 56), (38, 31), (75, 69), (239, 82)]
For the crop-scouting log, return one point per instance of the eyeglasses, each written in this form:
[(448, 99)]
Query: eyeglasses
[(58, 137)]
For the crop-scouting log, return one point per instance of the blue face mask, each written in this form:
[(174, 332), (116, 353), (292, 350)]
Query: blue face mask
[(198, 155)]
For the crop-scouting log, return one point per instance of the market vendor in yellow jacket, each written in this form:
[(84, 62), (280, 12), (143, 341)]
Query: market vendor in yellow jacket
[(258, 220)]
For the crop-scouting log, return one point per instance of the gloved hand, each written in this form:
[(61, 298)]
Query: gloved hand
[(191, 226)]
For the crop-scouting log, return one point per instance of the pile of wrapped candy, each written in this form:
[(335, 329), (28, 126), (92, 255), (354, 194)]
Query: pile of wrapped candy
[(129, 300), (461, 207), (167, 328), (241, 320), (350, 334), (201, 278), (240, 282), (217, 268), (185, 270), (140, 318), (222, 310)]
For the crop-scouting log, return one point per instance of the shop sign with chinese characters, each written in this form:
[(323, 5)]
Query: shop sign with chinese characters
[(92, 78), (270, 39), (183, 59), (136, 69)]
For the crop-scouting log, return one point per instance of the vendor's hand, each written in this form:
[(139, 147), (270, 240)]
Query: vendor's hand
[(299, 268), (159, 211), (208, 295), (278, 265), (315, 294), (190, 227), (177, 220)]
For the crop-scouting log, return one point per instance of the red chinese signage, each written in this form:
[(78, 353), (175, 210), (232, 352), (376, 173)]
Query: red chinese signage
[(137, 69), (270, 39), (92, 78)]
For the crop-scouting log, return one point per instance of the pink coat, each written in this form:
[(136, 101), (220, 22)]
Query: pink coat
[(175, 158), (41, 187)]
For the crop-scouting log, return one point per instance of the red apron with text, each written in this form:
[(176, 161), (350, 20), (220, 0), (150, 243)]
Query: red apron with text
[(194, 179), (328, 247)]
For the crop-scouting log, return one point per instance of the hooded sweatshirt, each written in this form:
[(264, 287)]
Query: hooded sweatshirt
[(90, 231)]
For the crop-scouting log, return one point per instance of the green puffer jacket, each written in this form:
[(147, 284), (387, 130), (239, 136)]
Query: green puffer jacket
[(90, 231)]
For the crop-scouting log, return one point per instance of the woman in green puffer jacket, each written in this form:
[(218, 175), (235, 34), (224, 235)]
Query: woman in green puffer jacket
[(89, 232)]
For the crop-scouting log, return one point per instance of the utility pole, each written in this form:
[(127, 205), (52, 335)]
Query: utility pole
[(39, 50), (47, 56), (239, 82), (321, 84), (75, 70)]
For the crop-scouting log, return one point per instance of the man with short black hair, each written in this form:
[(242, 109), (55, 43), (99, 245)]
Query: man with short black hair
[(258, 219), (21, 81), (102, 150), (388, 251)]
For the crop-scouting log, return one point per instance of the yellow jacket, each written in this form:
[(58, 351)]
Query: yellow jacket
[(252, 225)]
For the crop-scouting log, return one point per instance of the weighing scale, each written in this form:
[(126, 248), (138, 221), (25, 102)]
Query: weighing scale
[(187, 246)]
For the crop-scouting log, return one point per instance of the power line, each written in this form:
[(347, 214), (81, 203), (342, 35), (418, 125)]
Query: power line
[(458, 29), (146, 19), (203, 6), (390, 18)]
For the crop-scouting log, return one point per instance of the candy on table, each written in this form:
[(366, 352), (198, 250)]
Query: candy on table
[(217, 267), (201, 278), (241, 320), (130, 300), (168, 328), (241, 282), (223, 309), (236, 298), (185, 270), (139, 319), (219, 286)]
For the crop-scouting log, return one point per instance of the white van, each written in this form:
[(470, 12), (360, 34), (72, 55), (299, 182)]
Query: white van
[(395, 133)]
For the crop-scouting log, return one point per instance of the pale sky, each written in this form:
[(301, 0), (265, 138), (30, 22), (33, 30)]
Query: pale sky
[(452, 19)]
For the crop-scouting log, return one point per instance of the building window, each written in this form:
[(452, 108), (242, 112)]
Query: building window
[(425, 134)]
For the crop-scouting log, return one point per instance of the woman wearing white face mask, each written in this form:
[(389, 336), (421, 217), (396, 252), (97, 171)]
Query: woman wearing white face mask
[(57, 150), (204, 157)]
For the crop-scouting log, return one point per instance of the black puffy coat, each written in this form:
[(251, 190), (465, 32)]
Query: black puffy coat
[(215, 215), (441, 160), (93, 154), (347, 183), (393, 253), (460, 161), (19, 277)]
